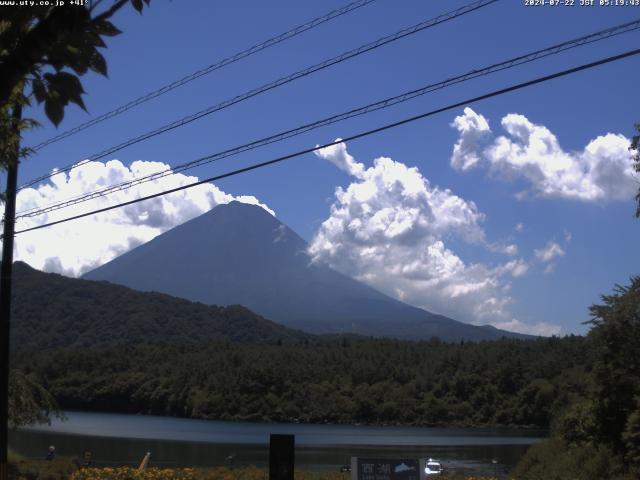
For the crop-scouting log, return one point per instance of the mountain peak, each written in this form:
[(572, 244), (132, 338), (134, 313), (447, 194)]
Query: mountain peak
[(238, 253), (237, 207)]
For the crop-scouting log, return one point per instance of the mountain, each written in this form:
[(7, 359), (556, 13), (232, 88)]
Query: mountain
[(240, 254), (51, 311)]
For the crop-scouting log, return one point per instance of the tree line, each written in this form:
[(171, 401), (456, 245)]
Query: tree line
[(508, 382)]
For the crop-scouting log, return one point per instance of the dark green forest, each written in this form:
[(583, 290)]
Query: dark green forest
[(50, 311), (509, 382)]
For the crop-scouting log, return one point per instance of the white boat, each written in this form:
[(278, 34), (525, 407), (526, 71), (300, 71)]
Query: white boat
[(432, 467)]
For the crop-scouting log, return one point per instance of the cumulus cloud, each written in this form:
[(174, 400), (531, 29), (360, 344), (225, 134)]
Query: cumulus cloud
[(601, 171), (474, 131), (76, 247), (390, 228), (338, 155)]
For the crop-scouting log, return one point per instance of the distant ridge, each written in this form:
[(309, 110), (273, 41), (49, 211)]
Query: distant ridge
[(50, 311), (240, 254)]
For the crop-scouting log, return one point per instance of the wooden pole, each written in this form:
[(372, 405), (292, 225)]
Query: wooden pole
[(5, 295)]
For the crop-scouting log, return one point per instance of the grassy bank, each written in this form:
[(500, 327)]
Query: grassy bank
[(22, 468)]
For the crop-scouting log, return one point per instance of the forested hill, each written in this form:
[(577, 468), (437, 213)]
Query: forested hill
[(508, 382), (53, 311)]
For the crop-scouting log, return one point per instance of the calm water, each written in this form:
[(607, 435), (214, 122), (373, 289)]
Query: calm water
[(124, 439)]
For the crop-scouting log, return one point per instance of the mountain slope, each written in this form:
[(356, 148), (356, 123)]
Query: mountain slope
[(240, 254), (52, 311)]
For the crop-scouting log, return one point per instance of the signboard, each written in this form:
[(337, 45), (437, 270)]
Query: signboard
[(387, 469), (87, 456), (281, 457)]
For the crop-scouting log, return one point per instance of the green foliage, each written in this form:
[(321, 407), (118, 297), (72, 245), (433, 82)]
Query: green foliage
[(631, 440), (598, 435), (366, 381), (23, 468), (29, 401), (10, 127), (616, 332), (577, 426), (555, 460), (45, 49)]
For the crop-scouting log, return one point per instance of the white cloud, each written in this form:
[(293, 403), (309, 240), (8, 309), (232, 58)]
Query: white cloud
[(507, 249), (474, 131), (516, 268), (601, 171), (519, 227), (338, 155), (541, 328), (75, 247), (549, 252), (390, 228)]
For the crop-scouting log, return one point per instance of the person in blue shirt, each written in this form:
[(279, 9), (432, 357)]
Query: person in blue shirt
[(51, 454)]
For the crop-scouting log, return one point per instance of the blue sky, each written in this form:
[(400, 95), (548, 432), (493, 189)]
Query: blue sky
[(545, 292)]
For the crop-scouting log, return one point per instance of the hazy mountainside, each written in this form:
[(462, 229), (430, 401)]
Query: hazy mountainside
[(240, 254), (53, 311)]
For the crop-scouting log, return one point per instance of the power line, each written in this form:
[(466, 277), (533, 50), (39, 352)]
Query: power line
[(520, 60), (367, 133), (277, 83), (205, 71)]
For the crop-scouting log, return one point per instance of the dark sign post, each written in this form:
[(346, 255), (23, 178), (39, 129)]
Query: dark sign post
[(386, 469), (281, 457), (87, 456)]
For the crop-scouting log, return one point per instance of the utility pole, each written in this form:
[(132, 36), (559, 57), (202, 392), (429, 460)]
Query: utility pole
[(5, 291)]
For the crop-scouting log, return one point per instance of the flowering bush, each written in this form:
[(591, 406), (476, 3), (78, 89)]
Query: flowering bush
[(218, 473)]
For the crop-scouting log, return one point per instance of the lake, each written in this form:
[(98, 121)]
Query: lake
[(118, 439)]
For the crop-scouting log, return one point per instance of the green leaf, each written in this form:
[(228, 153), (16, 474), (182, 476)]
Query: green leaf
[(77, 99), (39, 90), (95, 39), (65, 82), (106, 28), (138, 5), (73, 50), (69, 88), (79, 63), (5, 25), (98, 64), (54, 110)]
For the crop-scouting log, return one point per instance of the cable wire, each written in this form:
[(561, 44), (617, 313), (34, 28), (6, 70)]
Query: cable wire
[(511, 63), (357, 136), (277, 83), (205, 71)]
